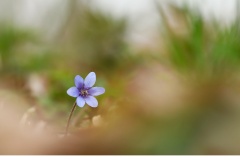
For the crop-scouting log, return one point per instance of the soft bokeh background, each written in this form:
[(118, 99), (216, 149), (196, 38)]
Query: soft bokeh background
[(171, 70)]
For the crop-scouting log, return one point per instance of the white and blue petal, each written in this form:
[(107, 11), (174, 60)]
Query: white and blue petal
[(95, 91), (90, 80), (91, 101), (73, 91), (80, 101), (79, 82)]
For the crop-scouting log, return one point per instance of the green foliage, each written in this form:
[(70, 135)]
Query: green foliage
[(205, 48), (12, 38), (97, 38)]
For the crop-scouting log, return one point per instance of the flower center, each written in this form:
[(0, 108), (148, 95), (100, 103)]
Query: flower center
[(84, 92)]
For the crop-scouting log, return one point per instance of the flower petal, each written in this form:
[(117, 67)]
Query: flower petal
[(91, 101), (73, 91), (79, 82), (80, 101), (95, 91), (90, 80)]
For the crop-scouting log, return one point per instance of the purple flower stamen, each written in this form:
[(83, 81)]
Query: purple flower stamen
[(84, 93)]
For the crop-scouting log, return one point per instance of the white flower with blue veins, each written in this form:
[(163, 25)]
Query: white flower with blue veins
[(84, 90)]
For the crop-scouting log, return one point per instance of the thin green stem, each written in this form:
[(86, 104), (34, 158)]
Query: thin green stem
[(69, 118)]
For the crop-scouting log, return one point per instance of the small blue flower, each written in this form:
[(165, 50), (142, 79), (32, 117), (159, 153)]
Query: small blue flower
[(84, 90)]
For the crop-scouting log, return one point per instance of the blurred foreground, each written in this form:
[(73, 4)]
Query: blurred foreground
[(180, 95)]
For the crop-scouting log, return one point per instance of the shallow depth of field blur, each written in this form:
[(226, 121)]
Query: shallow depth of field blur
[(171, 74)]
